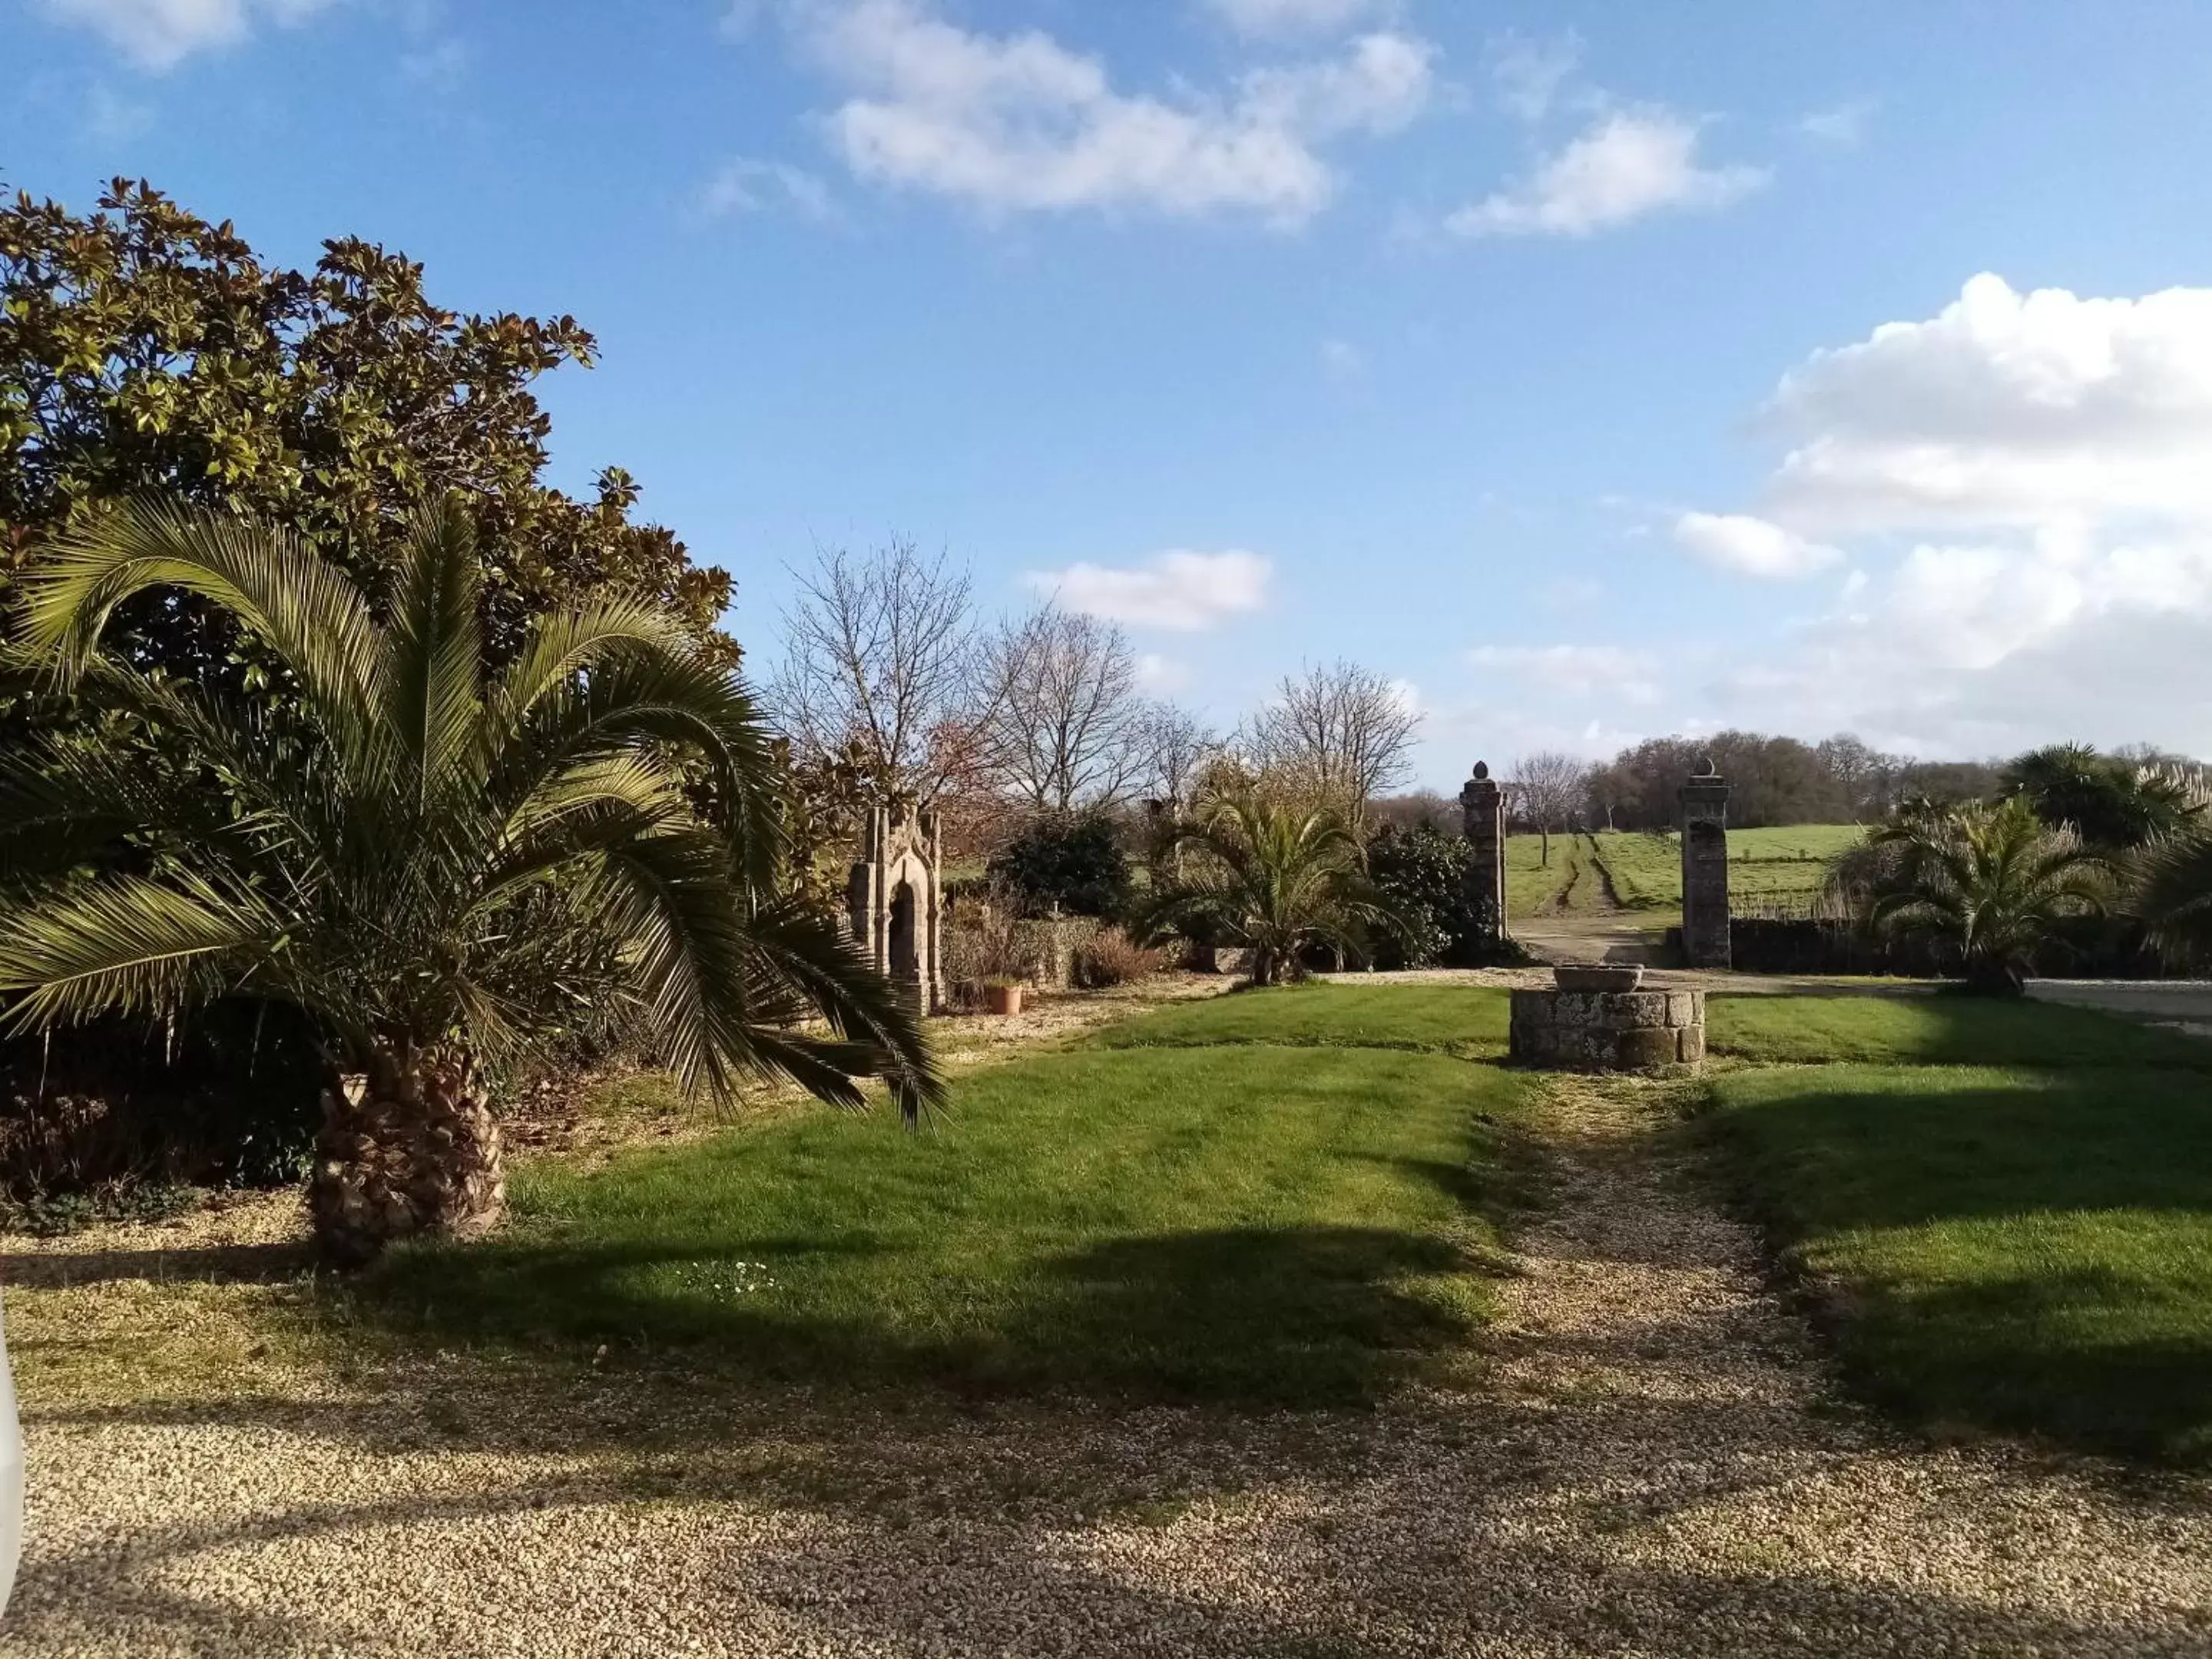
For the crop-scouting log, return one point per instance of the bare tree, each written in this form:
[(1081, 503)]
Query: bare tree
[(1174, 747), (1341, 732), (882, 656), (1066, 728), (1548, 790)]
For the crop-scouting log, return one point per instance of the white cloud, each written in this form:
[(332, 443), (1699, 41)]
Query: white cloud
[(1628, 164), (158, 34), (1575, 669), (745, 185), (1273, 20), (1381, 85), (1181, 589), (1019, 123), (1964, 649), (2041, 457), (1529, 74), (2007, 409), (1342, 360), (1752, 547), (1842, 126)]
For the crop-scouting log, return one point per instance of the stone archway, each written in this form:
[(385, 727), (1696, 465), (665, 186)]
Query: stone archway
[(905, 964), (893, 902)]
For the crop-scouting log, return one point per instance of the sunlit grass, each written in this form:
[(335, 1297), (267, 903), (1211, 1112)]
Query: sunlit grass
[(1284, 1196)]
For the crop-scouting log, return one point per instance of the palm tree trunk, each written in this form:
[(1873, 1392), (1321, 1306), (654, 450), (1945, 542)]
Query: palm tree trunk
[(408, 1147)]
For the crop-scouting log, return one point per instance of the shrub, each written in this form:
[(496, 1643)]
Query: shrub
[(1288, 886), (1987, 887), (229, 1098), (983, 943), (1423, 873), (1072, 860), (1111, 958)]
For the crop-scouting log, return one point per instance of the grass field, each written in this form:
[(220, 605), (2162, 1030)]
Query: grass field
[(2008, 1212), (1294, 1197), (1283, 1197), (1782, 867)]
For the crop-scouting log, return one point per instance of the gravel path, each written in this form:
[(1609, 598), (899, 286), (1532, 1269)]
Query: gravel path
[(1655, 1470)]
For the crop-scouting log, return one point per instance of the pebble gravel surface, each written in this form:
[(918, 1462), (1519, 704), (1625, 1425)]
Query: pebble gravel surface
[(1654, 1467)]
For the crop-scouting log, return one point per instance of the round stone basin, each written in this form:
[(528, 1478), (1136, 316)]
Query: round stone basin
[(1605, 976), (1659, 1032)]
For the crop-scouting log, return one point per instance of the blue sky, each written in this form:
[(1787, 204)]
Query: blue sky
[(1529, 354)]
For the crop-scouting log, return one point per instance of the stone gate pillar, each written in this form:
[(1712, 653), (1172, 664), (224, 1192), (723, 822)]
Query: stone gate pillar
[(1704, 870), (1483, 803)]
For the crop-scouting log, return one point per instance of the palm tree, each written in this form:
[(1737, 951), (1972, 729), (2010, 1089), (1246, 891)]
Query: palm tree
[(435, 864), (1988, 883), (2109, 801), (1277, 880), (2173, 876)]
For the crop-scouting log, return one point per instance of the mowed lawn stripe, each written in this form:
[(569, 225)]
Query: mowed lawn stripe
[(1938, 1028), (2022, 1243), (1242, 1221)]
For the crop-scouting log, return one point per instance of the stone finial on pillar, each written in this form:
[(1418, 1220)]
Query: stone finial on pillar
[(1705, 801), (1483, 803)]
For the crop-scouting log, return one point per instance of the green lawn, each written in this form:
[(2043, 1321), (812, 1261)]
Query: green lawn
[(1529, 882), (1941, 1028), (1465, 1020), (1786, 867), (1292, 1197), (2008, 1211), (1232, 1200)]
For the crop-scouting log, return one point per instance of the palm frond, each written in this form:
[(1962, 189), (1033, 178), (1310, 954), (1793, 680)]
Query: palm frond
[(671, 900), (2172, 892), (305, 610), (826, 975), (431, 667), (622, 690), (128, 945)]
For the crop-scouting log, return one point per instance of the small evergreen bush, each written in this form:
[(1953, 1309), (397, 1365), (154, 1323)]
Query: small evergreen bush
[(1072, 861)]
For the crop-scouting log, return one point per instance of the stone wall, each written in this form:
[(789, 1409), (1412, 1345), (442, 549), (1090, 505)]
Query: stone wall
[(1218, 959), (1040, 951), (1609, 1030)]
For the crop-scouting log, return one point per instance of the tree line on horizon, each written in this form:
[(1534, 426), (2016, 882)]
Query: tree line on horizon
[(1773, 782)]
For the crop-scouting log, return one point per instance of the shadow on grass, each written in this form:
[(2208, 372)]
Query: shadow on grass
[(234, 1264), (1885, 1147), (2029, 1252), (2086, 1358), (1263, 1316)]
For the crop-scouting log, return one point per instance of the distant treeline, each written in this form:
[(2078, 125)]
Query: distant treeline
[(1774, 781)]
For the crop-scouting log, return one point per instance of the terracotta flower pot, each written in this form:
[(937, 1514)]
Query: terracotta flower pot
[(1002, 999)]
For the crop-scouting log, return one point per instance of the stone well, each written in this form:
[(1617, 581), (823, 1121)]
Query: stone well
[(1609, 1030)]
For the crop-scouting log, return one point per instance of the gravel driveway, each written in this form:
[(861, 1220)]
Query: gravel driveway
[(1655, 1469)]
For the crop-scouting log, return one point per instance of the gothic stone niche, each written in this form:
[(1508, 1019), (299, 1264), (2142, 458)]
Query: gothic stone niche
[(1483, 803), (893, 903)]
